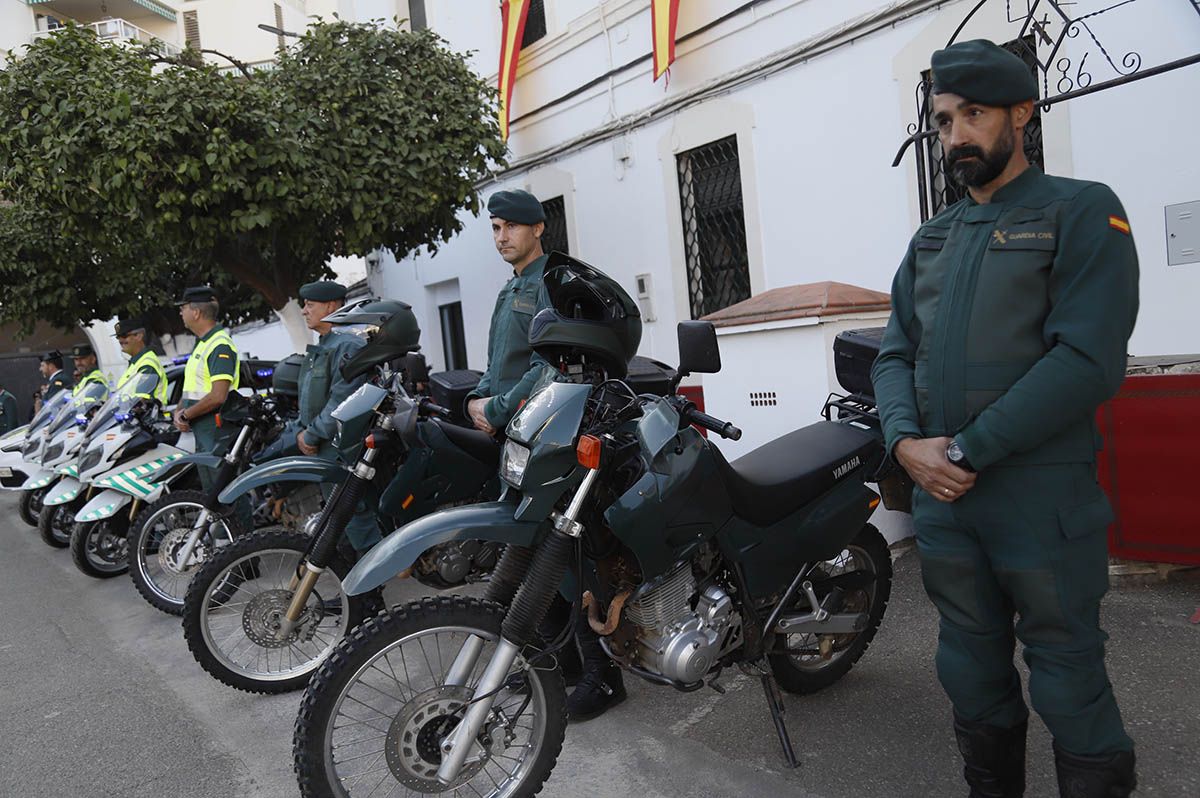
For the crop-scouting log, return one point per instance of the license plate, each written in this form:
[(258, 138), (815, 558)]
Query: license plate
[(5, 472)]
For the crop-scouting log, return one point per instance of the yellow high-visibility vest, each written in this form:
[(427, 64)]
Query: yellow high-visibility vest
[(147, 358), (197, 381)]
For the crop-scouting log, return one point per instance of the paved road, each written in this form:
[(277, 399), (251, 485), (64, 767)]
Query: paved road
[(99, 697)]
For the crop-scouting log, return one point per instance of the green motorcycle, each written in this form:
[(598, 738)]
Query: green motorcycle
[(265, 610), (685, 563)]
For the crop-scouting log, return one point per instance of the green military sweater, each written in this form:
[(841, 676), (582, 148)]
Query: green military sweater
[(513, 368), (1010, 322)]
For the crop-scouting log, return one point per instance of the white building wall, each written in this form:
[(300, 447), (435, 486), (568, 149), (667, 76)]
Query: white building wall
[(16, 26), (816, 142)]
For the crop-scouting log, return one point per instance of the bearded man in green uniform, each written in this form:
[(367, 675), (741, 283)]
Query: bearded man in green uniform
[(1010, 317), (322, 389)]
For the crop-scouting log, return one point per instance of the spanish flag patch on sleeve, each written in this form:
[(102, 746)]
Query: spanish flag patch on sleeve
[(1117, 223)]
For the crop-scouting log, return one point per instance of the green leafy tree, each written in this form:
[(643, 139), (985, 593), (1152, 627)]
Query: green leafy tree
[(128, 173)]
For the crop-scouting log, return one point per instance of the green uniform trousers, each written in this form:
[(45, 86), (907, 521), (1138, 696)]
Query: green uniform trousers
[(217, 440), (1028, 542), (363, 528)]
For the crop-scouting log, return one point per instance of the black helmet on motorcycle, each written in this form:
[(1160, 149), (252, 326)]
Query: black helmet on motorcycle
[(590, 315), (398, 333)]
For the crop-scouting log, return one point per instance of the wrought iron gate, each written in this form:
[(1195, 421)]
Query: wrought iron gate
[(1042, 29)]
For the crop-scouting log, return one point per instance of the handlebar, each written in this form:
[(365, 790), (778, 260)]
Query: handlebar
[(713, 424), (428, 408)]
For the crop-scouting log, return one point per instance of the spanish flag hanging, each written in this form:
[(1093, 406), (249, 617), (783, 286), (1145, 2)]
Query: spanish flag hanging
[(512, 30), (664, 17)]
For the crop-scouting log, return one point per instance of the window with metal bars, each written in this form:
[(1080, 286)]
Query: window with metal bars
[(714, 226), (191, 29), (454, 339), (942, 190), (535, 23), (554, 237)]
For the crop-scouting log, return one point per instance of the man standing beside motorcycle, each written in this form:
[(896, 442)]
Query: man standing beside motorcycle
[(322, 389), (209, 377), (51, 367), (85, 360), (131, 335), (518, 221), (1010, 318)]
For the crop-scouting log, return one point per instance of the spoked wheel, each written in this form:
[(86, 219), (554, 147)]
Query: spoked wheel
[(100, 548), (31, 505), (234, 613), (159, 539), (811, 662), (374, 716), (55, 524)]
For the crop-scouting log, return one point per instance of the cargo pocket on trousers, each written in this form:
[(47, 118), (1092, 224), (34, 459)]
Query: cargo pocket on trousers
[(1083, 564), (1086, 519)]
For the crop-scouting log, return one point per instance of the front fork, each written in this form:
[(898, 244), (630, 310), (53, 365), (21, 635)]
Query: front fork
[(340, 508), (526, 611), (223, 477)]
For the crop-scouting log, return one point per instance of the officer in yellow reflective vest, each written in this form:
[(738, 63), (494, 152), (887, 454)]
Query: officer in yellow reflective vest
[(85, 361), (209, 377), (131, 335)]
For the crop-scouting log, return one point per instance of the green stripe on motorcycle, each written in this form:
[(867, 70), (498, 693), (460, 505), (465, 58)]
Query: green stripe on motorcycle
[(62, 498)]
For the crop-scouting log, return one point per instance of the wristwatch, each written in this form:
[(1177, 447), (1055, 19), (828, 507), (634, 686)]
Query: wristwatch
[(957, 456)]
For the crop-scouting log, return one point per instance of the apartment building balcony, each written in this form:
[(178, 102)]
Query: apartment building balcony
[(120, 30)]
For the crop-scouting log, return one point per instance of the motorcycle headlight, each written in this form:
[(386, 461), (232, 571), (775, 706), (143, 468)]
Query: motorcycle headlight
[(513, 462)]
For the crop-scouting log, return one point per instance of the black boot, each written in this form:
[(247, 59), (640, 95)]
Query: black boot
[(600, 689), (993, 758), (1104, 776), (601, 686)]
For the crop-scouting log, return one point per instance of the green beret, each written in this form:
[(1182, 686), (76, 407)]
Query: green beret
[(82, 350), (983, 72), (200, 293), (323, 291), (516, 206)]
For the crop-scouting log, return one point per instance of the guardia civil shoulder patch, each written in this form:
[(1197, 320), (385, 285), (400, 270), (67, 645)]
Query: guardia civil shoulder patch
[(1117, 223)]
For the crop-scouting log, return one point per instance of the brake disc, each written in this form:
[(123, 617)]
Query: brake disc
[(414, 740), (171, 547)]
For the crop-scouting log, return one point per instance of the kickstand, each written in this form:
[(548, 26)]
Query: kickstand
[(775, 702)]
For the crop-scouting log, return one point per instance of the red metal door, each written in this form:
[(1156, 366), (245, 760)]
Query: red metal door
[(1148, 467)]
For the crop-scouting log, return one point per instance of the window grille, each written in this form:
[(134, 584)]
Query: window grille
[(535, 23), (454, 339), (191, 29), (943, 191), (554, 237), (714, 226)]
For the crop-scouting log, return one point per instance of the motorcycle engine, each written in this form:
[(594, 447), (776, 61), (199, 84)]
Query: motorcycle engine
[(675, 640)]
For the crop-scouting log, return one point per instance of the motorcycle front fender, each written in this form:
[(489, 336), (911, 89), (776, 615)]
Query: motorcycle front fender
[(285, 469), (40, 478), (488, 521), (13, 470), (66, 490), (203, 459), (104, 504)]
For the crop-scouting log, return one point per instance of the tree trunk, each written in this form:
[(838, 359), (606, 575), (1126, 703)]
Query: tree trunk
[(293, 322)]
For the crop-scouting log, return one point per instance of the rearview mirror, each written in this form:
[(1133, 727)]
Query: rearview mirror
[(698, 350)]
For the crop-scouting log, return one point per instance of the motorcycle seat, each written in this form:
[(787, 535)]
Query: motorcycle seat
[(780, 477), (478, 444)]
